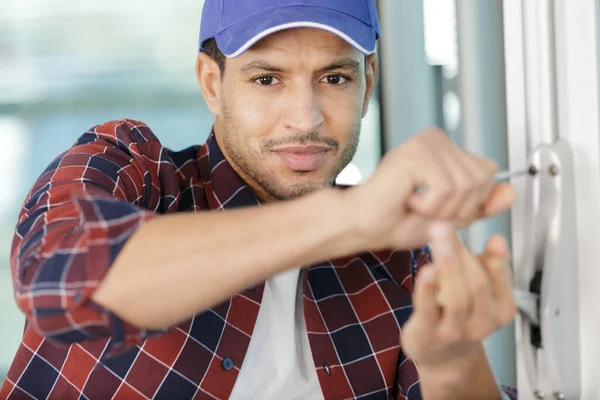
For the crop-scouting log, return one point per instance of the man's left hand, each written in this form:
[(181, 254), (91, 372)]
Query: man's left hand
[(459, 300)]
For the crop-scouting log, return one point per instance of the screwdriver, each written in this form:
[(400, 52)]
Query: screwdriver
[(506, 175), (500, 176)]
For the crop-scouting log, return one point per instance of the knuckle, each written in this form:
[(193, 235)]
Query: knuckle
[(466, 187), (427, 208), (432, 204), (490, 166), (497, 268), (430, 212), (423, 141), (481, 331), (484, 179), (500, 271), (452, 334), (434, 132), (415, 145), (457, 308), (468, 215), (486, 165), (445, 190), (460, 221), (478, 286)]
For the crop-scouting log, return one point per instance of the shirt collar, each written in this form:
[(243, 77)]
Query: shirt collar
[(224, 188)]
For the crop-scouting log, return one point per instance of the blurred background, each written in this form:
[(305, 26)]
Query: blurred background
[(67, 65)]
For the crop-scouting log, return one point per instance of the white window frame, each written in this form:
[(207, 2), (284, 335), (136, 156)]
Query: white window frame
[(551, 49)]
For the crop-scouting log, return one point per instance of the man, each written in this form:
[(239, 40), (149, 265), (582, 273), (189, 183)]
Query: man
[(299, 290)]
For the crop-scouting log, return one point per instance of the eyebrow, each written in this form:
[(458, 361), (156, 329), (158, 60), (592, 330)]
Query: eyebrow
[(261, 65), (342, 63)]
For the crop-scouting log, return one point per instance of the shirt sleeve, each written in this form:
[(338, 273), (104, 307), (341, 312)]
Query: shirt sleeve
[(75, 221)]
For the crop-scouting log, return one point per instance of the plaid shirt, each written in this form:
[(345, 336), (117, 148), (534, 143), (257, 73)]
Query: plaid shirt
[(77, 218)]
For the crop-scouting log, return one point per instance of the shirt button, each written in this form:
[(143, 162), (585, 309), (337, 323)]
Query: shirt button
[(228, 364), (327, 369)]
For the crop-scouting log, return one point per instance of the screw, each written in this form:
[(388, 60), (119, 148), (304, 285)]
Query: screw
[(532, 170), (559, 396), (539, 394), (553, 170)]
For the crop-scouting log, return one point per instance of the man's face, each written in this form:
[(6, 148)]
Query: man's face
[(288, 111)]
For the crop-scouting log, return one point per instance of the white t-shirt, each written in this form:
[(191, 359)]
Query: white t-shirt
[(279, 362)]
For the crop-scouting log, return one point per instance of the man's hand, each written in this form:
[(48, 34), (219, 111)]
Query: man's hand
[(459, 300), (459, 188)]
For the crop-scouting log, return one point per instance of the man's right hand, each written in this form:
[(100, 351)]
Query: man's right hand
[(459, 187)]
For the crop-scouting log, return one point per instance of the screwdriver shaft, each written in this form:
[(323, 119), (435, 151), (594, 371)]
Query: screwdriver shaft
[(500, 176), (506, 175)]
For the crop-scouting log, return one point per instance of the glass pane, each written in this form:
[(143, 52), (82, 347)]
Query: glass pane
[(67, 65)]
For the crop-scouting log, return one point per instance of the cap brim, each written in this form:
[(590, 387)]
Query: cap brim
[(244, 34)]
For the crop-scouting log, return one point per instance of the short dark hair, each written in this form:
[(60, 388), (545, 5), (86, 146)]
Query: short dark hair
[(212, 50)]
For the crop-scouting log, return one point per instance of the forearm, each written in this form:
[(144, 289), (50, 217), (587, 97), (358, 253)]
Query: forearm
[(470, 378), (177, 265)]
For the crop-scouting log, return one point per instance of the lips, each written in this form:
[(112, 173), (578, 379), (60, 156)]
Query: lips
[(302, 158)]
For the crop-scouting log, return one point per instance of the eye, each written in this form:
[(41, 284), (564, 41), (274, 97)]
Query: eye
[(336, 79), (266, 80)]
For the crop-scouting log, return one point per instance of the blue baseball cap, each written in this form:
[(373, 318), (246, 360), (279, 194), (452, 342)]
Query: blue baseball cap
[(236, 25)]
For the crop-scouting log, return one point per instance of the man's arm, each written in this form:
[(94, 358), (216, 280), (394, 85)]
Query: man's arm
[(177, 265), (88, 251), (78, 215)]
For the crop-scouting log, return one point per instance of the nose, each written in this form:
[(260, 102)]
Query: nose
[(303, 115)]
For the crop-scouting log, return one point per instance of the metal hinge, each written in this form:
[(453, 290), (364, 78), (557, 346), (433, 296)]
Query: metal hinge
[(546, 279)]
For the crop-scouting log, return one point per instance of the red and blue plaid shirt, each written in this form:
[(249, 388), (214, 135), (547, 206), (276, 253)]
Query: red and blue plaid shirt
[(76, 219)]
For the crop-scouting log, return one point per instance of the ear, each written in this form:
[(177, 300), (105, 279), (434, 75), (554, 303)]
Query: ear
[(371, 79), (209, 79)]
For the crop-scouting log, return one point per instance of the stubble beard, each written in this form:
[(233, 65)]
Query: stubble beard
[(248, 160)]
